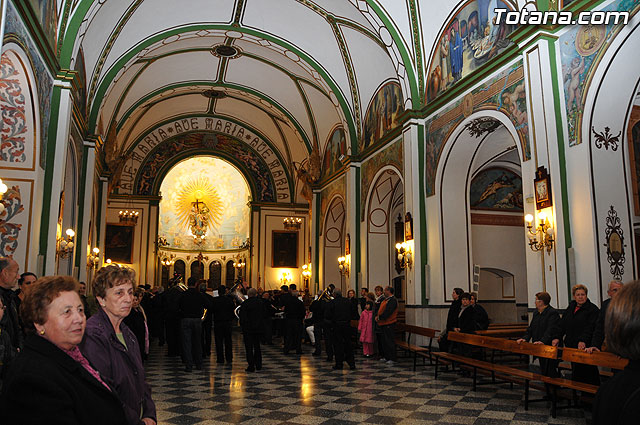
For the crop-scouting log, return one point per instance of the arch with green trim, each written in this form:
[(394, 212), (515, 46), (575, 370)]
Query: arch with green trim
[(154, 135), (263, 184)]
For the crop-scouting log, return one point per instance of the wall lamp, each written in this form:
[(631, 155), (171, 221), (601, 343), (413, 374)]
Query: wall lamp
[(3, 190), (306, 275), (405, 254), (93, 259), (344, 264), (540, 236), (65, 244), (168, 260)]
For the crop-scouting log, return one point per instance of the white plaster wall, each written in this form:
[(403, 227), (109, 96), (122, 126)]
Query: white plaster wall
[(501, 247)]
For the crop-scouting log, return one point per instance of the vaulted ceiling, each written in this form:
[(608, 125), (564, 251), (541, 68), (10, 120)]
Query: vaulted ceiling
[(293, 70)]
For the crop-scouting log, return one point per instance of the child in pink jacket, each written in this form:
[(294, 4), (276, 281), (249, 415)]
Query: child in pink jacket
[(366, 329)]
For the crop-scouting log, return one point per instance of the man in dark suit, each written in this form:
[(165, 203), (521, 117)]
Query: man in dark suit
[(223, 315), (207, 323), (338, 314), (252, 313), (544, 327), (192, 308), (171, 313), (294, 312), (598, 333)]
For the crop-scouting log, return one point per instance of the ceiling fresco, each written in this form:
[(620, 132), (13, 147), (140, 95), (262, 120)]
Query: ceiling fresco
[(221, 212)]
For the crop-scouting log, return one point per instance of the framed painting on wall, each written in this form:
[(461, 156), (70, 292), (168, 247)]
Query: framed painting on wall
[(118, 245), (542, 184), (284, 249)]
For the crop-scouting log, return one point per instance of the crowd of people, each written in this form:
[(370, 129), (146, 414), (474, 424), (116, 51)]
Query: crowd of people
[(81, 356)]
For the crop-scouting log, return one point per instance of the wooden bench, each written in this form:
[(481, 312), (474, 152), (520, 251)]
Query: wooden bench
[(600, 359), (514, 332), (504, 372), (406, 345), (507, 325)]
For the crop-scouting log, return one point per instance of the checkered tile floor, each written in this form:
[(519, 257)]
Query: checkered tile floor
[(302, 389)]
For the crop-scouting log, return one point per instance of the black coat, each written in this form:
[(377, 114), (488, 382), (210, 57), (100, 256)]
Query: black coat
[(467, 321), (338, 311), (617, 399), (354, 308), (46, 386), (135, 321), (452, 317), (294, 308), (252, 313), (544, 326), (208, 304), (578, 326), (598, 332), (223, 307), (318, 308), (481, 317)]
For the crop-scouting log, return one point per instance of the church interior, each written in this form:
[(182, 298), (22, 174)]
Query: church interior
[(420, 145)]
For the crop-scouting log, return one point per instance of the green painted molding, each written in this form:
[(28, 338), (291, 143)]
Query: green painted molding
[(561, 155), (124, 59), (423, 210), (417, 45), (81, 212), (48, 173), (358, 245)]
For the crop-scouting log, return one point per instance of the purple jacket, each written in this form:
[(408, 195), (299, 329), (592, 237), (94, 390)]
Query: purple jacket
[(120, 367)]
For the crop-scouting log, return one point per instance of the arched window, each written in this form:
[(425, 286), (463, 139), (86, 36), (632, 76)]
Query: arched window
[(180, 267), (215, 274), (197, 270), (231, 274)]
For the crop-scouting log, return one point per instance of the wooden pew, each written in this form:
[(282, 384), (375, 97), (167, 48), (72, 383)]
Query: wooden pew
[(515, 332), (507, 325), (600, 359), (416, 350), (505, 372)]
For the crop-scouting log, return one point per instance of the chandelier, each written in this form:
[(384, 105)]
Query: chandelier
[(292, 223), (129, 217)]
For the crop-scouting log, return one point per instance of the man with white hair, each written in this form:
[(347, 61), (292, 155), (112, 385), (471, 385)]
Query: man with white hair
[(598, 333), (8, 283)]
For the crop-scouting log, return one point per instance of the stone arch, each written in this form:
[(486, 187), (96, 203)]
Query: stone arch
[(333, 237), (603, 129), (19, 155), (452, 180), (387, 182)]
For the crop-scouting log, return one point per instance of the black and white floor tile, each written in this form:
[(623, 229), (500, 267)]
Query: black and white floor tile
[(302, 389)]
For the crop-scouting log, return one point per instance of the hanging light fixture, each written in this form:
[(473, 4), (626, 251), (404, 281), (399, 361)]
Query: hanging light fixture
[(292, 223)]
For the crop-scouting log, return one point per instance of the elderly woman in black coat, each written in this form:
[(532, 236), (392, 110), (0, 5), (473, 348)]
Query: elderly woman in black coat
[(577, 325), (51, 382), (617, 399)]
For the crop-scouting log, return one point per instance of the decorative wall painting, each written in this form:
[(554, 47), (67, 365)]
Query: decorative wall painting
[(118, 245), (497, 189), (336, 147), (470, 39), (47, 15), (382, 114)]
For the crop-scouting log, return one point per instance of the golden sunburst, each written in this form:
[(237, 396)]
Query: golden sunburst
[(198, 189)]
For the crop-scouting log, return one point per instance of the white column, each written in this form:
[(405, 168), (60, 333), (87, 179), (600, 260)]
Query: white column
[(545, 272), (352, 221), (90, 160), (102, 225), (62, 139), (412, 200)]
